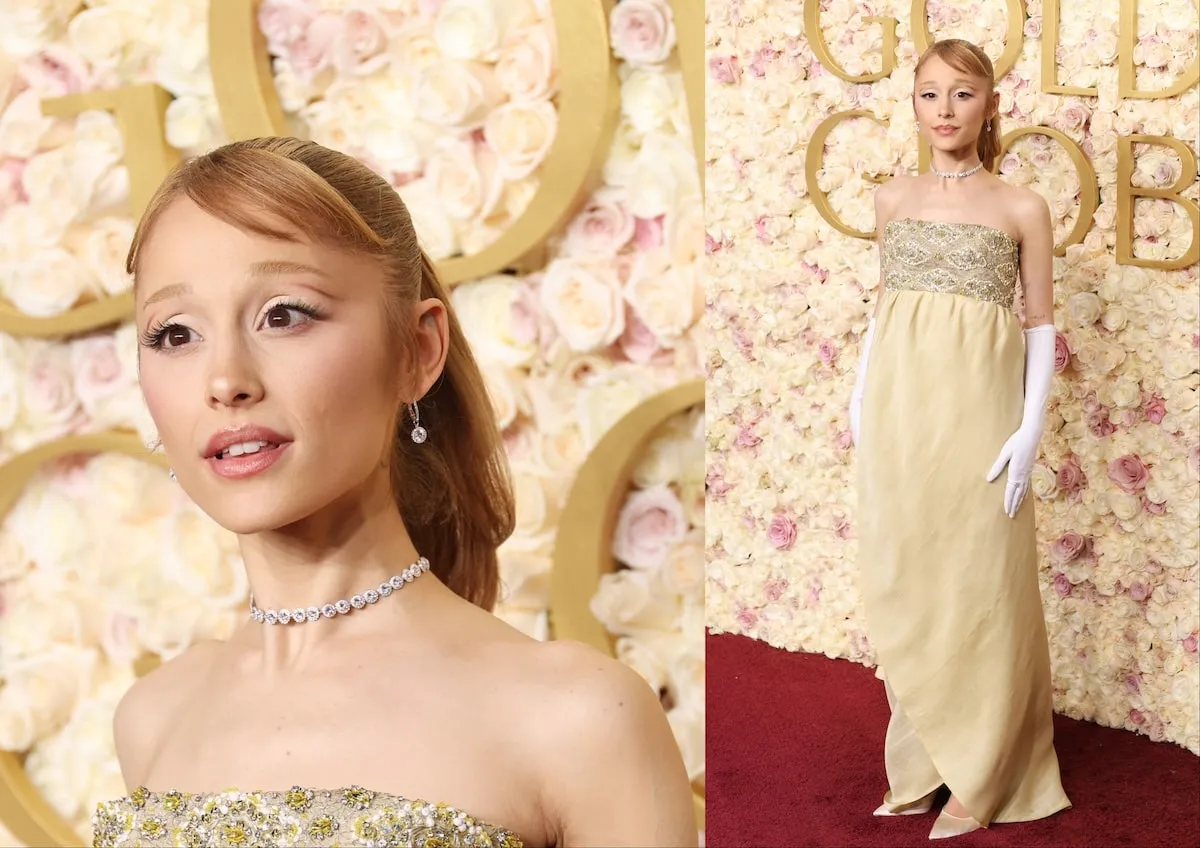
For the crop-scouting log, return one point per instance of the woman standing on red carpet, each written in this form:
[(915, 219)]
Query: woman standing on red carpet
[(949, 393)]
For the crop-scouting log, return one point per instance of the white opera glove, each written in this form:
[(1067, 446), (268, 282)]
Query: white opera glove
[(860, 382), (1020, 451)]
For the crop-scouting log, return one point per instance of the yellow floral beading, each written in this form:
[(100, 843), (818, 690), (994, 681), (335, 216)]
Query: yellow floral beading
[(971, 260), (341, 818)]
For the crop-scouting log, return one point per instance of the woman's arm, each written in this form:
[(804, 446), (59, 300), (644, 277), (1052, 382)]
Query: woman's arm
[(615, 776), (1037, 259)]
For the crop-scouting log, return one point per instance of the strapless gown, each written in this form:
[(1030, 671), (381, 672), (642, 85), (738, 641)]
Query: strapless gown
[(949, 581), (312, 818)]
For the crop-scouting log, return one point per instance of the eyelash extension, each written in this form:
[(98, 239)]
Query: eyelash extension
[(155, 334)]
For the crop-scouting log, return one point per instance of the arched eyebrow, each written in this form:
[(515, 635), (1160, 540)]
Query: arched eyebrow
[(266, 268)]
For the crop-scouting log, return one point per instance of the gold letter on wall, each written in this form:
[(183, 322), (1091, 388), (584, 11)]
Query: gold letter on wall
[(1089, 190), (241, 71), (1127, 73), (1051, 17), (689, 40), (140, 113), (1127, 192), (816, 41), (813, 158)]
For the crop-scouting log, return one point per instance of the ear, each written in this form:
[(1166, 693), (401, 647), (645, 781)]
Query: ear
[(432, 338)]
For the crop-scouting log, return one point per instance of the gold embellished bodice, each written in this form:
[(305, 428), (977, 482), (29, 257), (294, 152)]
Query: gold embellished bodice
[(972, 260), (297, 817)]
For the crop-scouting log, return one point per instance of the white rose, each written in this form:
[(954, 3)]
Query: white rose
[(502, 385), (606, 399), (684, 569), (102, 34), (683, 230), (197, 563), (182, 66), (48, 283), (646, 100), (1085, 308), (465, 177), (473, 29), (193, 123), (660, 464), (535, 513), (435, 230), (667, 301), (40, 693), (103, 254), (23, 126), (521, 134), (47, 180), (29, 26), (451, 94), (29, 229), (584, 303), (630, 602), (664, 172), (11, 365), (527, 67), (645, 656), (486, 311), (44, 520)]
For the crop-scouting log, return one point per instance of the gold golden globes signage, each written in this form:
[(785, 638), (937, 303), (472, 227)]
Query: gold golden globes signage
[(1088, 190), (588, 107)]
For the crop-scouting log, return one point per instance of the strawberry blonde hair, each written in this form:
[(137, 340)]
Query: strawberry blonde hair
[(453, 491), (966, 57)]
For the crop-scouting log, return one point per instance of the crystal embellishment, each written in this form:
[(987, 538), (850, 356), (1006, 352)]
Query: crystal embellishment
[(302, 615)]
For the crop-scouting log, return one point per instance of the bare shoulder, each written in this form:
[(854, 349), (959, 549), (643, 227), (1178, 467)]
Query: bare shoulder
[(890, 192), (1027, 208), (145, 709)]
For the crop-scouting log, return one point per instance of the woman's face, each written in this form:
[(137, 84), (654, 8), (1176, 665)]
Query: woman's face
[(246, 340), (951, 106)]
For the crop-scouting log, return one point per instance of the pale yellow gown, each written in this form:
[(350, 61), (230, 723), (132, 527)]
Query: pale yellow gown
[(950, 582)]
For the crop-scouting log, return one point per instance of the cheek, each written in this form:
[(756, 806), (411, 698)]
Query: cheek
[(347, 381)]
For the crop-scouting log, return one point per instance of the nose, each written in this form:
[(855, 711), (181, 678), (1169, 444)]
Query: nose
[(233, 379), (945, 108)]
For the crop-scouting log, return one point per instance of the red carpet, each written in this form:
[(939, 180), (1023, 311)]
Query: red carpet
[(794, 757)]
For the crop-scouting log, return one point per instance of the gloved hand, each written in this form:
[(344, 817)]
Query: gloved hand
[(1020, 451), (860, 382)]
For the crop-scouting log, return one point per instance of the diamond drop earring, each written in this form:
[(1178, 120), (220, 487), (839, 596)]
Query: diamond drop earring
[(172, 475), (989, 125), (419, 433)]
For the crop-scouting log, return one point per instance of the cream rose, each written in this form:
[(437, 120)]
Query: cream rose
[(193, 123), (528, 67), (683, 229), (647, 100), (489, 312), (642, 656), (606, 399), (584, 304), (630, 602), (667, 301), (23, 126), (475, 29), (465, 177), (521, 133), (435, 231), (683, 571), (103, 254), (451, 94)]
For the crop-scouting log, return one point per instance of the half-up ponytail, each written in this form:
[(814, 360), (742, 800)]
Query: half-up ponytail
[(971, 60), (453, 490)]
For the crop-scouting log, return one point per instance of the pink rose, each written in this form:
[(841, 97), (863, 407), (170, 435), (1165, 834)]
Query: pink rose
[(1062, 586), (648, 233), (1133, 683), (1155, 409), (54, 71), (1068, 547), (638, 342), (843, 440), (312, 51), (1062, 353), (715, 485), (51, 406), (1128, 472), (781, 532), (12, 189), (1190, 642), (828, 352), (747, 618), (642, 31), (650, 523), (1136, 717), (1099, 424), (97, 369), (747, 438), (724, 69), (527, 67), (119, 640), (1139, 591), (360, 44), (283, 21), (774, 588), (1070, 477), (1154, 508), (603, 227)]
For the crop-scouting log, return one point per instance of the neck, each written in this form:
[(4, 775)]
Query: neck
[(954, 161), (352, 545)]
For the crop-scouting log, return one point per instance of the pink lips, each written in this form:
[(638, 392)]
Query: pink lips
[(246, 465), (945, 130)]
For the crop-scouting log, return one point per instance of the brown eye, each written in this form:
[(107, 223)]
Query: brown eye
[(280, 317), (176, 336)]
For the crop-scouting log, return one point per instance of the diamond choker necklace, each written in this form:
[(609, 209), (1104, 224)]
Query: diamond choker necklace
[(301, 615), (955, 175)]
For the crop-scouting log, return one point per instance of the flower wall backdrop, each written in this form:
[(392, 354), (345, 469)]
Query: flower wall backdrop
[(104, 559), (789, 298)]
